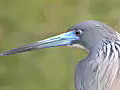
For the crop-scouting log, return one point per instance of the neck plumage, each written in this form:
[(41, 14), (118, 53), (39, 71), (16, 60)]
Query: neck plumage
[(105, 63), (108, 50)]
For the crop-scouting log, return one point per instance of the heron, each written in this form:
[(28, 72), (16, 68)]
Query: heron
[(100, 69)]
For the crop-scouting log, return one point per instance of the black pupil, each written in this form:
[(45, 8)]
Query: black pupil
[(77, 33)]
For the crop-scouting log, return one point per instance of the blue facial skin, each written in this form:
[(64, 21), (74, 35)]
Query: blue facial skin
[(64, 39)]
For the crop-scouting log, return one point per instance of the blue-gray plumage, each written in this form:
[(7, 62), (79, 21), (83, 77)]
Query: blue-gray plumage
[(100, 70)]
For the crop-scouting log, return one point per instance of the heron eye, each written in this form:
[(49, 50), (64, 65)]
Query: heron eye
[(78, 32)]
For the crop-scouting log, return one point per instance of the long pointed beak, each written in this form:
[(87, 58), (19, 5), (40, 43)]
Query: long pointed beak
[(64, 39)]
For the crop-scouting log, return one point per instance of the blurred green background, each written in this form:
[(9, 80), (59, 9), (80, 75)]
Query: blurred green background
[(26, 21)]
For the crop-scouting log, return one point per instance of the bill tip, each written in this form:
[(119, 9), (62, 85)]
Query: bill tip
[(2, 54)]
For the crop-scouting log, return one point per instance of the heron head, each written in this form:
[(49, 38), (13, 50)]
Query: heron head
[(88, 34), (92, 34)]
